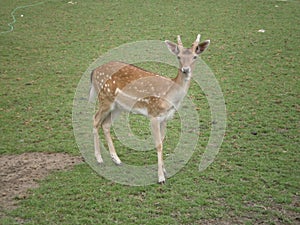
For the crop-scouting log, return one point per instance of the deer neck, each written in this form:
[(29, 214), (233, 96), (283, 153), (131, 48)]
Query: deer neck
[(183, 80), (179, 88)]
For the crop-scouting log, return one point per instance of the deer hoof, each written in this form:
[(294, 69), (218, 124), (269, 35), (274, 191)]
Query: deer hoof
[(161, 180), (116, 160), (119, 164), (99, 159)]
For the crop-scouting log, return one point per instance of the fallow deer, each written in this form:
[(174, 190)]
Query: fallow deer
[(125, 87)]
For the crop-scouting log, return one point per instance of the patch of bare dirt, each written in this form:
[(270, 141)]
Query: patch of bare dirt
[(18, 173)]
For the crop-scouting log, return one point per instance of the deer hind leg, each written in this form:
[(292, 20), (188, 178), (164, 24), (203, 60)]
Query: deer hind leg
[(106, 129), (98, 118), (156, 132)]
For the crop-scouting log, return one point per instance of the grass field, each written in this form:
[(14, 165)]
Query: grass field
[(254, 178)]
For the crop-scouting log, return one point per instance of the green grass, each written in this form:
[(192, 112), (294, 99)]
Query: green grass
[(255, 178)]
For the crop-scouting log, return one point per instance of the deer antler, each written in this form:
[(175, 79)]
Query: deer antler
[(179, 41), (196, 42)]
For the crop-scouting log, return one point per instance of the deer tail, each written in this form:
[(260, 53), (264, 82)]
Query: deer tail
[(92, 89)]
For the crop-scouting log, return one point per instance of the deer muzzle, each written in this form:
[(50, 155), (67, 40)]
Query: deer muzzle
[(186, 69)]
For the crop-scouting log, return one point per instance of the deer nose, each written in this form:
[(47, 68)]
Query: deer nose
[(186, 69)]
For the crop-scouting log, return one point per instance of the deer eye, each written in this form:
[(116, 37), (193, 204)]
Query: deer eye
[(195, 57), (178, 57)]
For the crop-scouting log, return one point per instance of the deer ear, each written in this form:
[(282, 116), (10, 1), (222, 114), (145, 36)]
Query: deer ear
[(172, 47), (202, 47)]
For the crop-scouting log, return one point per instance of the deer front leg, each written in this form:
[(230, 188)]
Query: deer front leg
[(163, 126), (156, 132)]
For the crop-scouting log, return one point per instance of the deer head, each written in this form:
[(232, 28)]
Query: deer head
[(187, 56)]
